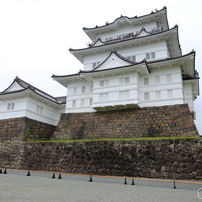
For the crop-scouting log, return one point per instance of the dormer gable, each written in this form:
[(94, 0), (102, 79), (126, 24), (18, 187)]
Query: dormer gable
[(14, 87), (98, 42), (114, 60), (143, 32)]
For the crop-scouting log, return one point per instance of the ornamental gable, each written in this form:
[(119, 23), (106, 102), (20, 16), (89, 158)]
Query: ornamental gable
[(14, 87), (113, 61)]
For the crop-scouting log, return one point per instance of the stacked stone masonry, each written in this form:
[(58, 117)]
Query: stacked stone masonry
[(165, 121), (24, 128), (166, 158), (160, 158)]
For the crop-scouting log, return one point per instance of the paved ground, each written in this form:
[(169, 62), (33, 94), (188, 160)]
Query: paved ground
[(40, 187)]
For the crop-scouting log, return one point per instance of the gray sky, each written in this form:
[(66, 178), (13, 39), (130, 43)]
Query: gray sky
[(35, 36)]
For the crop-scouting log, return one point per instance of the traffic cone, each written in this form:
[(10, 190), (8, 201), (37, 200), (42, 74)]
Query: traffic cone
[(125, 181), (91, 178), (174, 186), (59, 176), (53, 177), (133, 183)]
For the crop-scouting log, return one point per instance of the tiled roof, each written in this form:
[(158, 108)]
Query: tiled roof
[(132, 64), (135, 17), (26, 86)]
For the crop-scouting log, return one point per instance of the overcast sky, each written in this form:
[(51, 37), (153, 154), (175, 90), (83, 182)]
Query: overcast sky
[(35, 36)]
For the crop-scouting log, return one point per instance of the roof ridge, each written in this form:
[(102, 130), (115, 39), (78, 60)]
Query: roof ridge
[(106, 24)]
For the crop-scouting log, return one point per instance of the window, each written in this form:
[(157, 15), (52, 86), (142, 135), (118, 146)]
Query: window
[(170, 93), (133, 58), (74, 103), (124, 80), (91, 101), (146, 81), (104, 83), (83, 89), (146, 96), (124, 94), (10, 106), (95, 64), (153, 55), (150, 55), (82, 102), (147, 56), (168, 78), (158, 95), (91, 88), (157, 80), (39, 110), (104, 96), (75, 90)]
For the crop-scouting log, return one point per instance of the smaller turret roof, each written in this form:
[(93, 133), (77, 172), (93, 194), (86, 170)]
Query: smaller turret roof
[(24, 86)]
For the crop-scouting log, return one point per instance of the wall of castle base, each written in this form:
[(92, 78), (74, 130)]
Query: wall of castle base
[(167, 158), (17, 129), (163, 121)]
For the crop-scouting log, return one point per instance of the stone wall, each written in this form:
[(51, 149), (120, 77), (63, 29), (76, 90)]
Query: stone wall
[(164, 121), (166, 158), (24, 128)]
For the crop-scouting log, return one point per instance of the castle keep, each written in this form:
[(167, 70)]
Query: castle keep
[(135, 82)]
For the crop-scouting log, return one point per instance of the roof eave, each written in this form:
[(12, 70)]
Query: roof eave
[(78, 53), (91, 31)]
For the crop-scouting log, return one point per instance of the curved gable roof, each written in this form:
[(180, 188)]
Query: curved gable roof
[(114, 52), (26, 87), (78, 53), (113, 25)]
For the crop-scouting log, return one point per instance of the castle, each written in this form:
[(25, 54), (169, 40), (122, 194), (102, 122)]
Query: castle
[(135, 83), (130, 63)]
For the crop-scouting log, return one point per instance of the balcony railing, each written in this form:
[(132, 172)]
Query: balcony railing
[(127, 36)]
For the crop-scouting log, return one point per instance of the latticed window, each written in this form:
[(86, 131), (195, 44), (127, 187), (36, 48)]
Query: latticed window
[(75, 90), (10, 106), (133, 58), (83, 89), (157, 80), (39, 109), (150, 55), (124, 80), (146, 96), (158, 95), (146, 81), (95, 64), (104, 96), (82, 102), (104, 83), (74, 103), (170, 94), (124, 94)]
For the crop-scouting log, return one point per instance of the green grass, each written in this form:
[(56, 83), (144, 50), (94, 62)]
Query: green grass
[(141, 138)]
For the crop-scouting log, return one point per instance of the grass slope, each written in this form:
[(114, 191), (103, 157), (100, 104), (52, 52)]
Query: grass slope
[(117, 139)]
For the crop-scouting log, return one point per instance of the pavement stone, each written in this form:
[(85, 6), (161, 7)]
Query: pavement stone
[(40, 187)]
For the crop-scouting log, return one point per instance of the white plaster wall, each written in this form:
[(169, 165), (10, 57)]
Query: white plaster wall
[(169, 87), (188, 98), (27, 107), (18, 111), (49, 113), (127, 28), (164, 88), (78, 97), (113, 90), (160, 49)]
